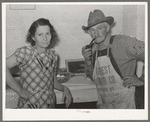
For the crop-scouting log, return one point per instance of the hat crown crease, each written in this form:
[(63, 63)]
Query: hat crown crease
[(96, 16)]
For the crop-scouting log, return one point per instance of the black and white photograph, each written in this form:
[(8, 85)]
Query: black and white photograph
[(75, 61)]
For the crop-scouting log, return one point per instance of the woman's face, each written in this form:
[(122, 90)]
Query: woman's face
[(42, 36)]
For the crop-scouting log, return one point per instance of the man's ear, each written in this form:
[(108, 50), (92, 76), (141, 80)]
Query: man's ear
[(107, 27), (88, 32)]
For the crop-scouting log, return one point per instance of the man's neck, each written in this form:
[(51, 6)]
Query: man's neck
[(107, 40)]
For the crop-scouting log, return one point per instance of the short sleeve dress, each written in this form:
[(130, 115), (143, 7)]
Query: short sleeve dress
[(37, 75)]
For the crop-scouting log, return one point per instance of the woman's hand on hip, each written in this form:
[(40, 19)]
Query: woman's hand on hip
[(24, 93), (67, 96)]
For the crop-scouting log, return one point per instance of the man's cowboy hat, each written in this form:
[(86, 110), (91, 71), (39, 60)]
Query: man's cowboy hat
[(97, 17)]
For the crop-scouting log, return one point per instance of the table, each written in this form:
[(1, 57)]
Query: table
[(83, 91)]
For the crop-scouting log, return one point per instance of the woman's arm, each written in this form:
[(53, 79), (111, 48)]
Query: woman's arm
[(10, 81), (66, 92)]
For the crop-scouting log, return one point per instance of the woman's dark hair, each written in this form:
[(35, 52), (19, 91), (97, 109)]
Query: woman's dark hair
[(32, 30)]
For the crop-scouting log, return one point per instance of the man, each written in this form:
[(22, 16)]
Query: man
[(111, 63)]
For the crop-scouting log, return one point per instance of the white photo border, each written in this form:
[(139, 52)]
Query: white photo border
[(73, 114)]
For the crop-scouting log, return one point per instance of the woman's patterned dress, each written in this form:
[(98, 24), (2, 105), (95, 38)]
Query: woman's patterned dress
[(37, 76)]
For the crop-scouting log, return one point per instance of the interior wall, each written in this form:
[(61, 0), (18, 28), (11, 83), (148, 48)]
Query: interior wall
[(134, 21), (68, 21), (134, 25)]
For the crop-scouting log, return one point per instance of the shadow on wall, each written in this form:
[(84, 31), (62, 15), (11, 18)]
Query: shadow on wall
[(112, 26)]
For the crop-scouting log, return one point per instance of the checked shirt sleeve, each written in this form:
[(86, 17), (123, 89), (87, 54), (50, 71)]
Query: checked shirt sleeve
[(22, 55)]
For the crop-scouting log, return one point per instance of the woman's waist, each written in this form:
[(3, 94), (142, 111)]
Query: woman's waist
[(39, 90)]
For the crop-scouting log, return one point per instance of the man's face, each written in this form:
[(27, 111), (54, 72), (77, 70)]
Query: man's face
[(99, 32)]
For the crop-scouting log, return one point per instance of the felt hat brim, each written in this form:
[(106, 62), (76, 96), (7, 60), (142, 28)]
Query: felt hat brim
[(108, 19)]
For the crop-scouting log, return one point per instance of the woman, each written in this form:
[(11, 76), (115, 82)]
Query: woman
[(38, 66)]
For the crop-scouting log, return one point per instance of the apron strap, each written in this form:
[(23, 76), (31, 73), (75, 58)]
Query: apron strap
[(111, 41), (112, 58), (109, 53)]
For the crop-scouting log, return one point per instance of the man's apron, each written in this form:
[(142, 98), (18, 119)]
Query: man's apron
[(111, 92)]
